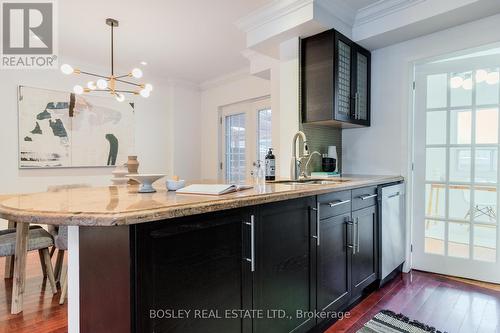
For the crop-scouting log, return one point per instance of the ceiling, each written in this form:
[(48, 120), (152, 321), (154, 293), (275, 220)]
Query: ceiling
[(194, 40), (358, 4)]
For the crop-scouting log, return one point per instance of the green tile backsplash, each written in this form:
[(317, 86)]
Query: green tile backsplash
[(319, 138)]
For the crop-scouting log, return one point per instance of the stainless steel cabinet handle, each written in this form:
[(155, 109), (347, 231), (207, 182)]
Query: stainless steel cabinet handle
[(338, 203), (367, 196), (356, 106), (394, 195), (351, 246), (357, 234), (251, 260), (318, 223)]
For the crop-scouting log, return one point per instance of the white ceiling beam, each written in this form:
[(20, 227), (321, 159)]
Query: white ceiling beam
[(391, 21), (380, 24)]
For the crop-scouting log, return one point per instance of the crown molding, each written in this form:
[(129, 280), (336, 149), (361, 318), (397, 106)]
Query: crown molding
[(382, 8), (269, 13), (220, 80)]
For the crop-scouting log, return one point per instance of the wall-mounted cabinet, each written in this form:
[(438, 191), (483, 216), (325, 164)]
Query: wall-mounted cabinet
[(335, 81)]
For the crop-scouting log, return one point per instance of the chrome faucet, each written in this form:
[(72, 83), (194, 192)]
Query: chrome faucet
[(304, 172), (295, 167)]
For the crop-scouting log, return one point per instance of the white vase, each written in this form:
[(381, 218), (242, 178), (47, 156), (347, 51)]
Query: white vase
[(332, 153)]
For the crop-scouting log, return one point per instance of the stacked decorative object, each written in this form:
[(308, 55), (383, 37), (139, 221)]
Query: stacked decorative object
[(119, 175), (133, 168)]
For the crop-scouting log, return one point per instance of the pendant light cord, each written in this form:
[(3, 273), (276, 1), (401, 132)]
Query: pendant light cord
[(112, 51)]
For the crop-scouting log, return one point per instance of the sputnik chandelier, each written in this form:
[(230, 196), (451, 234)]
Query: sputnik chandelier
[(116, 85)]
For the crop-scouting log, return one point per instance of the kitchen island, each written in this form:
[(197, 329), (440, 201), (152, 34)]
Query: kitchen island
[(270, 259)]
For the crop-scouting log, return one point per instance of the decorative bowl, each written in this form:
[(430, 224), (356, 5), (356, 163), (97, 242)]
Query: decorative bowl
[(146, 181), (174, 185)]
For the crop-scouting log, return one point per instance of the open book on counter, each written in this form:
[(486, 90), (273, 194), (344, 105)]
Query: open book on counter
[(212, 189)]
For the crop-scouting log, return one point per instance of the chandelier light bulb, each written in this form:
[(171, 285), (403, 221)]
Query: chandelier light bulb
[(78, 89), (137, 73), (119, 97), (456, 82), (148, 87), (467, 84), (91, 85), (493, 78), (481, 75), (145, 93), (102, 84), (67, 69)]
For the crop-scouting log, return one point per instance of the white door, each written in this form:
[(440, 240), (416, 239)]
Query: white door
[(245, 138), (456, 126)]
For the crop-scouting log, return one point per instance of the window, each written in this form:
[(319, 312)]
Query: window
[(264, 139), (235, 148), (461, 152), (246, 133)]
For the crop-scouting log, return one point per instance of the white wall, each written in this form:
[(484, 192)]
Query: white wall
[(185, 130), (153, 137), (234, 88), (383, 148)]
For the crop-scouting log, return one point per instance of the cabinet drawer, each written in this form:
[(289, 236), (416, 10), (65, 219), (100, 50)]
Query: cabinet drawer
[(334, 204), (364, 197)]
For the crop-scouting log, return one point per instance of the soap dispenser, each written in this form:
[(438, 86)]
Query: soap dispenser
[(270, 165)]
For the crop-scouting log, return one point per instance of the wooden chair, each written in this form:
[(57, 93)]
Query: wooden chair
[(38, 240)]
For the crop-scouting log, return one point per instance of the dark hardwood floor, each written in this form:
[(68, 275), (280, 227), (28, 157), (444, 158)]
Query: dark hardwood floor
[(42, 312), (449, 305)]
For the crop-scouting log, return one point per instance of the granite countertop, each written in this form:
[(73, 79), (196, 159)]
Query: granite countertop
[(123, 205)]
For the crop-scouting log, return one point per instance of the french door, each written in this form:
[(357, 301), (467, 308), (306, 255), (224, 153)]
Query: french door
[(245, 138), (456, 142)]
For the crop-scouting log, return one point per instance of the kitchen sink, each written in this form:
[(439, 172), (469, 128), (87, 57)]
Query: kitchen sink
[(310, 181)]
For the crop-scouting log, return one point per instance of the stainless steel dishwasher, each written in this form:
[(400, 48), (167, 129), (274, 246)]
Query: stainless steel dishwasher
[(392, 230)]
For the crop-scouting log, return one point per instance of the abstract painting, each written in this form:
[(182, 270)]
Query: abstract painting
[(60, 129)]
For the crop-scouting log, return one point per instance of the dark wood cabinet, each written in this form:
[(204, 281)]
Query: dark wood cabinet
[(285, 267), (192, 264), (276, 260), (364, 257), (334, 262), (335, 81)]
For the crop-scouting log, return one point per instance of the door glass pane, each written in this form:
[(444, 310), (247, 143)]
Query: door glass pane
[(435, 200), (460, 126), (459, 205), (235, 148), (460, 164), (485, 243), (437, 91), (486, 164), (487, 86), (435, 164), (434, 237), (264, 135), (485, 204), (436, 127), (344, 99), (461, 94), (362, 86), (458, 239), (487, 126)]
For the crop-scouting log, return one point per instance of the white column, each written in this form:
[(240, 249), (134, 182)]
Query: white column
[(73, 280), (289, 101)]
